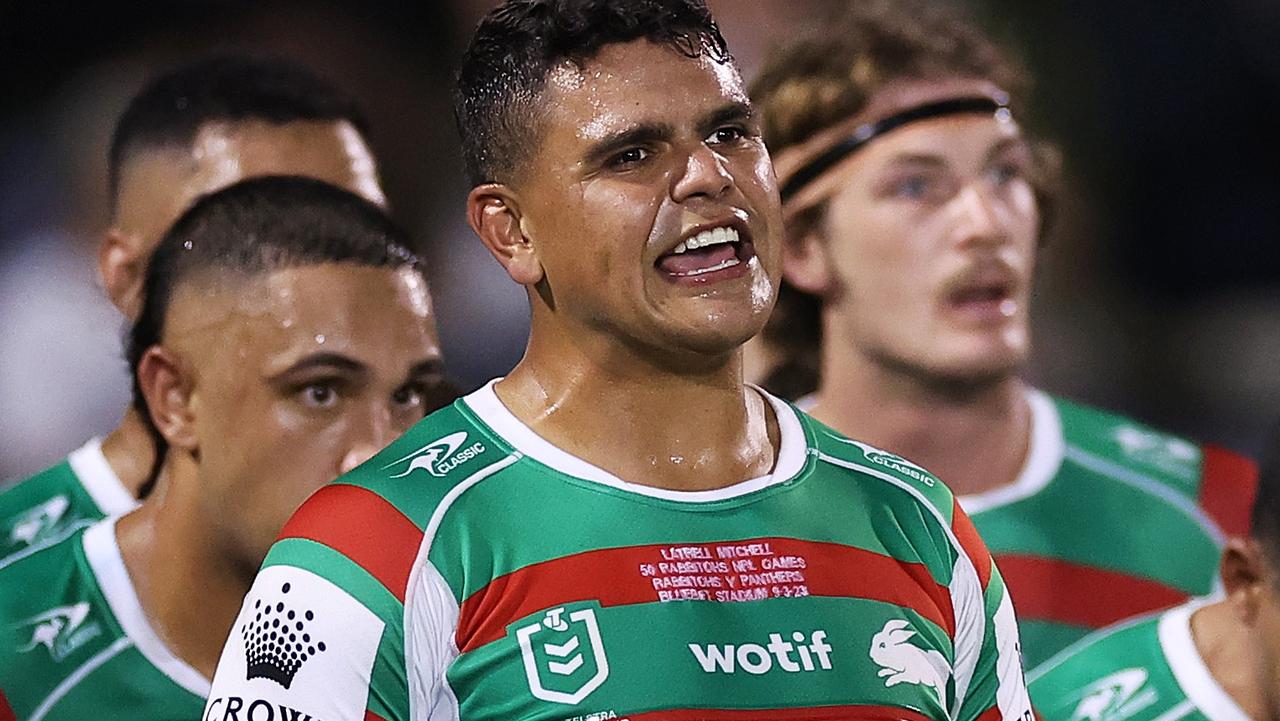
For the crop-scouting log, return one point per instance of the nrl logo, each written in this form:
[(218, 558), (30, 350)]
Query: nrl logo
[(61, 630), (439, 456), (564, 659), (38, 522)]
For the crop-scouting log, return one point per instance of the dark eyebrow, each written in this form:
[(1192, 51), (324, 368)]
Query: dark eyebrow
[(325, 360), (733, 112), (429, 367), (643, 134), (935, 161)]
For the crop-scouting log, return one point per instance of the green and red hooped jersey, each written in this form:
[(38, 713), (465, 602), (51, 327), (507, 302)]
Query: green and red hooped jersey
[(473, 571), (1144, 669), (59, 500), (1109, 519), (75, 643)]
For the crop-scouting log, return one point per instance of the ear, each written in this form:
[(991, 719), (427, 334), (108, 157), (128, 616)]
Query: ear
[(121, 267), (493, 212), (1245, 575), (167, 385), (805, 263)]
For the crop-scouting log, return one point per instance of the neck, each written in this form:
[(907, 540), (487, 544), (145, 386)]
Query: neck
[(130, 451), (188, 587), (975, 438), (703, 429), (1228, 648)]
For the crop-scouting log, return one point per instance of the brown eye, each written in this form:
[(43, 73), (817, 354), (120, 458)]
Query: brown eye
[(632, 156), (726, 135), (320, 395)]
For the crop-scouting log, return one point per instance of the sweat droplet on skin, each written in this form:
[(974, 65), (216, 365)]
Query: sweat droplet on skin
[(320, 338)]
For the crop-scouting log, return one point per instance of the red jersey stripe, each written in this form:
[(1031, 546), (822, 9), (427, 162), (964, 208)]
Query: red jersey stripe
[(991, 714), (1228, 487), (1051, 589), (365, 528), (812, 713), (972, 543), (617, 577), (6, 711), (371, 716)]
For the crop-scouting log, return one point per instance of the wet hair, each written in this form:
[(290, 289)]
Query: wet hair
[(251, 228), (171, 109), (517, 45), (827, 77)]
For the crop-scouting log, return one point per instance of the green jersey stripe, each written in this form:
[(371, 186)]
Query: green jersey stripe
[(751, 569), (813, 713), (75, 677)]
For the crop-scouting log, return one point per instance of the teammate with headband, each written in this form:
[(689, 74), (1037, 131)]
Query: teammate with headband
[(915, 204)]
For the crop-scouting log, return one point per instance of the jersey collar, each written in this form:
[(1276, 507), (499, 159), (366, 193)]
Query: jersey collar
[(792, 451), (1189, 669), (103, 554), (1044, 458), (99, 479)]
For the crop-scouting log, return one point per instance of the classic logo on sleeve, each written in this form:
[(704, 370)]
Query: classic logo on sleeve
[(903, 662), (302, 648), (60, 630), (564, 658), (437, 457)]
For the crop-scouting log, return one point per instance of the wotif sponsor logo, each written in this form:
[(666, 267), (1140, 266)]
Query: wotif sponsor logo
[(794, 656), (439, 456)]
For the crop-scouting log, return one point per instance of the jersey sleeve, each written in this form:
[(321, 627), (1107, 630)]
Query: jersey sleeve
[(321, 632), (990, 685)]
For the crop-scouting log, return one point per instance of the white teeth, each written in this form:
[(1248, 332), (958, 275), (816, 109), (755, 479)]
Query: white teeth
[(715, 236)]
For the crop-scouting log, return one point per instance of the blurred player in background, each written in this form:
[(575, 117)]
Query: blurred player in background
[(915, 204), (190, 132), (284, 335), (1201, 661), (621, 527)]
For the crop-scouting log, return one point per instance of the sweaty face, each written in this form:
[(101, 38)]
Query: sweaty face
[(930, 239), (158, 185), (651, 201), (297, 377)]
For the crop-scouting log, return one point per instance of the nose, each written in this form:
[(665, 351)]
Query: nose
[(979, 217), (367, 438), (704, 175)]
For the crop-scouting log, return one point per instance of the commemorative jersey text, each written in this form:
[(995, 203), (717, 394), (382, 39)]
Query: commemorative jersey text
[(487, 582)]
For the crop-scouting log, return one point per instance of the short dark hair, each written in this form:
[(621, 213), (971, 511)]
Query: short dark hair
[(517, 45), (828, 76), (171, 108), (254, 227)]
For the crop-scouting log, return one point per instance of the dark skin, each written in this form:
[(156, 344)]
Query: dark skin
[(639, 149), (158, 184), (266, 388)]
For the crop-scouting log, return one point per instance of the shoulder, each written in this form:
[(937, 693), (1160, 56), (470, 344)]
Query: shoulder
[(374, 519), (1223, 482), (1122, 662), (888, 472), (47, 496)]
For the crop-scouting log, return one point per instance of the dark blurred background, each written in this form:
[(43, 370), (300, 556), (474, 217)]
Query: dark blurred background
[(1159, 296)]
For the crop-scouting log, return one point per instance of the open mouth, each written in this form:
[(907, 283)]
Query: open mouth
[(984, 301), (710, 256)]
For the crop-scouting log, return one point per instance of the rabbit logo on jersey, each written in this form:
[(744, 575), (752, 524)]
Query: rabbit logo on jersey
[(1116, 697), (563, 654), (439, 456), (903, 662)]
